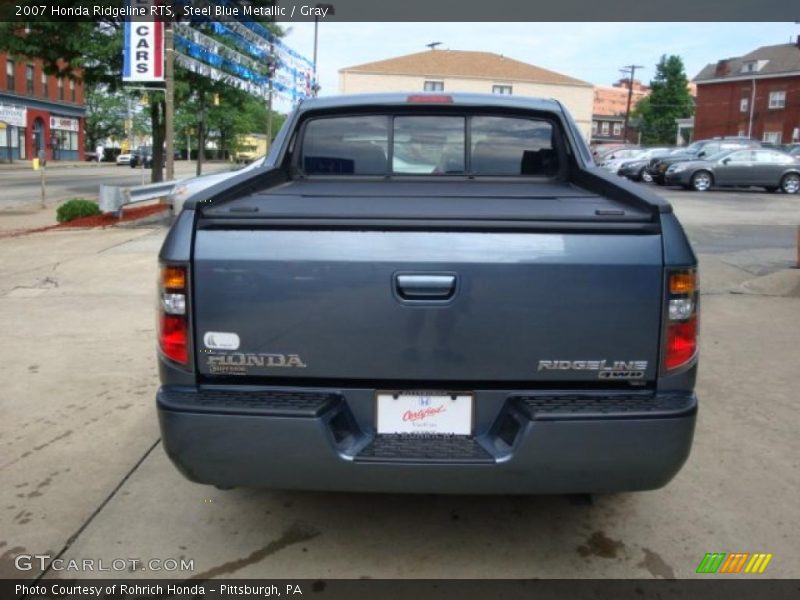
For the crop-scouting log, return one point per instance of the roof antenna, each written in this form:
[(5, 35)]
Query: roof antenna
[(433, 45)]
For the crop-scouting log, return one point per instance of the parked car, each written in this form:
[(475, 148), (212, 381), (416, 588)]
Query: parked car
[(636, 168), (124, 159), (612, 160), (601, 150), (504, 319), (142, 157), (658, 165), (759, 167)]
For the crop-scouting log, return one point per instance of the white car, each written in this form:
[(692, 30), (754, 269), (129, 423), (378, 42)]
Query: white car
[(123, 159)]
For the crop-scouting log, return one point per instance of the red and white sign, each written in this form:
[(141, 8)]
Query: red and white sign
[(435, 413), (143, 51), (63, 124)]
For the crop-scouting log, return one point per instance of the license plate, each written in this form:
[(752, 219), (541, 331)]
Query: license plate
[(435, 413)]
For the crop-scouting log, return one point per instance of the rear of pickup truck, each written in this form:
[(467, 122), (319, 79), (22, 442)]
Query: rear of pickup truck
[(428, 294)]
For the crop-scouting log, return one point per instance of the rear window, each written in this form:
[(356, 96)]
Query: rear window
[(429, 145)]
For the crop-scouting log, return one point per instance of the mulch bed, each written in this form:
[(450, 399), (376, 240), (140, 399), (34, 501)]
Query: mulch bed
[(104, 220)]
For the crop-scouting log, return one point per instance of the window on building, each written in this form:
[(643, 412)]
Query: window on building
[(594, 127), (617, 128), (434, 86), (744, 105), (750, 67), (604, 127), (777, 99), (60, 88), (11, 80), (72, 89), (44, 85), (772, 137), (29, 78), (501, 89), (742, 133)]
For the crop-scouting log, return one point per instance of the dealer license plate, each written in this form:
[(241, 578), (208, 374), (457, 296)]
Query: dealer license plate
[(434, 413)]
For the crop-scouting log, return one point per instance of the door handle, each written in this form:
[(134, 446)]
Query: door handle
[(425, 287)]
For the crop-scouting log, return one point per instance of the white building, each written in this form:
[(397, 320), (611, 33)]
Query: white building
[(467, 71)]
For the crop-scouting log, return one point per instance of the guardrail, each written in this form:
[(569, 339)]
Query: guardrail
[(114, 198)]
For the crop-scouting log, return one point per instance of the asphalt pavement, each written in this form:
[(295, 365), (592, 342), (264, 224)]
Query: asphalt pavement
[(21, 187), (83, 474)]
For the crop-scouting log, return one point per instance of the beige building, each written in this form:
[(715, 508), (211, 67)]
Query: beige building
[(465, 71)]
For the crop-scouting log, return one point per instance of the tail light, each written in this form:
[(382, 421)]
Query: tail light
[(680, 341), (173, 330), (429, 99)]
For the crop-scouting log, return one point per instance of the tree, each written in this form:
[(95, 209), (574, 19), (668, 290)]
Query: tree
[(105, 115), (91, 51), (669, 100)]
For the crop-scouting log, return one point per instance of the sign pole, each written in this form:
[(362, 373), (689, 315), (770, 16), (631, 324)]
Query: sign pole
[(44, 185), (169, 74)]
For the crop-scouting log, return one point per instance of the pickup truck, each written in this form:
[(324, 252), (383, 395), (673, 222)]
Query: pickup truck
[(428, 293)]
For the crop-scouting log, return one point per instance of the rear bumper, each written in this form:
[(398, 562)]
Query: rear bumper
[(525, 442)]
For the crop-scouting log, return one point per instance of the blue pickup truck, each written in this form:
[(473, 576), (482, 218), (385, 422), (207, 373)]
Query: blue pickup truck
[(428, 293)]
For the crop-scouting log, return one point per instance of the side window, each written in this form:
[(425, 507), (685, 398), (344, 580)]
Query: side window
[(741, 157), (766, 156), (710, 149)]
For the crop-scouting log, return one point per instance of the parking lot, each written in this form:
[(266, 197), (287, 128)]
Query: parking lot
[(84, 476)]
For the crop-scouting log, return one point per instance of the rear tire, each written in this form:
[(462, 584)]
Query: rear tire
[(790, 183), (702, 181)]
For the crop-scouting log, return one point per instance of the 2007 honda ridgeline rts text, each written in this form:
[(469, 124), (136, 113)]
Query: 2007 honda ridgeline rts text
[(428, 293)]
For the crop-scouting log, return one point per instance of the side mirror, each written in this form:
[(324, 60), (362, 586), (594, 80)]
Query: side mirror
[(701, 154), (725, 161)]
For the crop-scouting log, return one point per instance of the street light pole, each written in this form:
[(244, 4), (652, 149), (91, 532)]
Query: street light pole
[(632, 70), (329, 10), (169, 112)]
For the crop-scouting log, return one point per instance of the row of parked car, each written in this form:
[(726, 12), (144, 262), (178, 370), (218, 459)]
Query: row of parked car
[(722, 162)]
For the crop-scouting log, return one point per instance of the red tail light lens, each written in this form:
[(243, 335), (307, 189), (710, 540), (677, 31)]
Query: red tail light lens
[(681, 343), (173, 330), (172, 336)]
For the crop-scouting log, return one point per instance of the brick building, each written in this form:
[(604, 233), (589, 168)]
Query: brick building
[(608, 110), (39, 112), (756, 95)]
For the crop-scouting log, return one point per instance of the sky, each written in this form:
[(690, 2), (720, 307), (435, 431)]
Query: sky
[(593, 52)]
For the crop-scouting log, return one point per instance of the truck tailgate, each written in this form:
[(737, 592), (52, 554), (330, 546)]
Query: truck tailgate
[(403, 305)]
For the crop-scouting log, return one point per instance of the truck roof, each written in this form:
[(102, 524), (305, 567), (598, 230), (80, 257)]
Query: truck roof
[(459, 99)]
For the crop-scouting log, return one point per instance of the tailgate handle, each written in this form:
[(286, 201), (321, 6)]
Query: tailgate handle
[(425, 287)]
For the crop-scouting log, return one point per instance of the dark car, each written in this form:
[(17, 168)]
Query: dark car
[(142, 157), (636, 168), (698, 150), (760, 167)]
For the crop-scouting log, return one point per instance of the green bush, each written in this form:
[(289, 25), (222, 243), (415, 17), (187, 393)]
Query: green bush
[(75, 208)]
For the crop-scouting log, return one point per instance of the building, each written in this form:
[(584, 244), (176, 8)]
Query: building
[(608, 110), (467, 71), (39, 112), (756, 95)]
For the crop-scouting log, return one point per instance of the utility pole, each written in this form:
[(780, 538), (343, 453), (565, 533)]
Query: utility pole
[(169, 113), (272, 69), (632, 70)]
